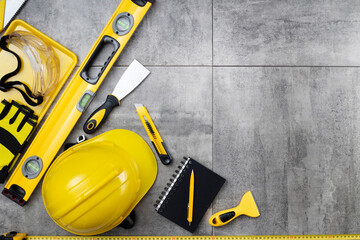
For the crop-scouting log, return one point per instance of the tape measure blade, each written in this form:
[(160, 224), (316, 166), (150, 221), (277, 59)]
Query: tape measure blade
[(255, 237)]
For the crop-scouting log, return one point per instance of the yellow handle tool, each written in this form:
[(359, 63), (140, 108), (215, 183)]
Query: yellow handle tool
[(74, 101), (246, 207), (154, 134), (132, 77)]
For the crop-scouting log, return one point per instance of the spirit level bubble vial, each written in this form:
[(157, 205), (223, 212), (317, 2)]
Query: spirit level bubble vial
[(73, 102)]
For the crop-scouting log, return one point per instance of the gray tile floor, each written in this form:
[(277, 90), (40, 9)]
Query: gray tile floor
[(264, 92)]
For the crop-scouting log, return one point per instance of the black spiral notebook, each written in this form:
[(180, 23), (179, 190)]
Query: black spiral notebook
[(173, 203)]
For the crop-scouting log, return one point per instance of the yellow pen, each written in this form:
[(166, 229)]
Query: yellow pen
[(191, 198)]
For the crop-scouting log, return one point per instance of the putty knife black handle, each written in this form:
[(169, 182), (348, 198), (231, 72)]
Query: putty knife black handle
[(98, 117)]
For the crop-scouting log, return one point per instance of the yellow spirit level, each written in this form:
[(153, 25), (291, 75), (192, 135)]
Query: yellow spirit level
[(2, 15), (154, 134), (74, 101)]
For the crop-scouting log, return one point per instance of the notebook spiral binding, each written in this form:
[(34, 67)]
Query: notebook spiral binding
[(170, 185)]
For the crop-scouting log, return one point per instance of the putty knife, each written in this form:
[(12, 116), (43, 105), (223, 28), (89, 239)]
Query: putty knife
[(132, 77)]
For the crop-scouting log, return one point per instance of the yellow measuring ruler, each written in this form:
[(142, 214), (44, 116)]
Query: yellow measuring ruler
[(22, 236)]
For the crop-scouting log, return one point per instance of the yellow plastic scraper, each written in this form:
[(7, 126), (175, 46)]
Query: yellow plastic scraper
[(246, 207)]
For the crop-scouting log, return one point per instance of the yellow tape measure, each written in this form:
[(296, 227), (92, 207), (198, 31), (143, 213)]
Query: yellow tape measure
[(278, 237), (23, 236)]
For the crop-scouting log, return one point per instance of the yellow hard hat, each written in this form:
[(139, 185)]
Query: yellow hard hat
[(93, 186)]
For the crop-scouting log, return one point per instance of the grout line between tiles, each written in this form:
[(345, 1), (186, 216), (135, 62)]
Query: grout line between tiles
[(239, 66), (285, 66), (212, 100)]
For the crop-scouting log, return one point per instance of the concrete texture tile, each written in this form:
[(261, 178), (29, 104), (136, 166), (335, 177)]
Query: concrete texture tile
[(324, 125), (251, 129), (179, 101), (177, 32), (310, 33), (288, 135), (172, 33)]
